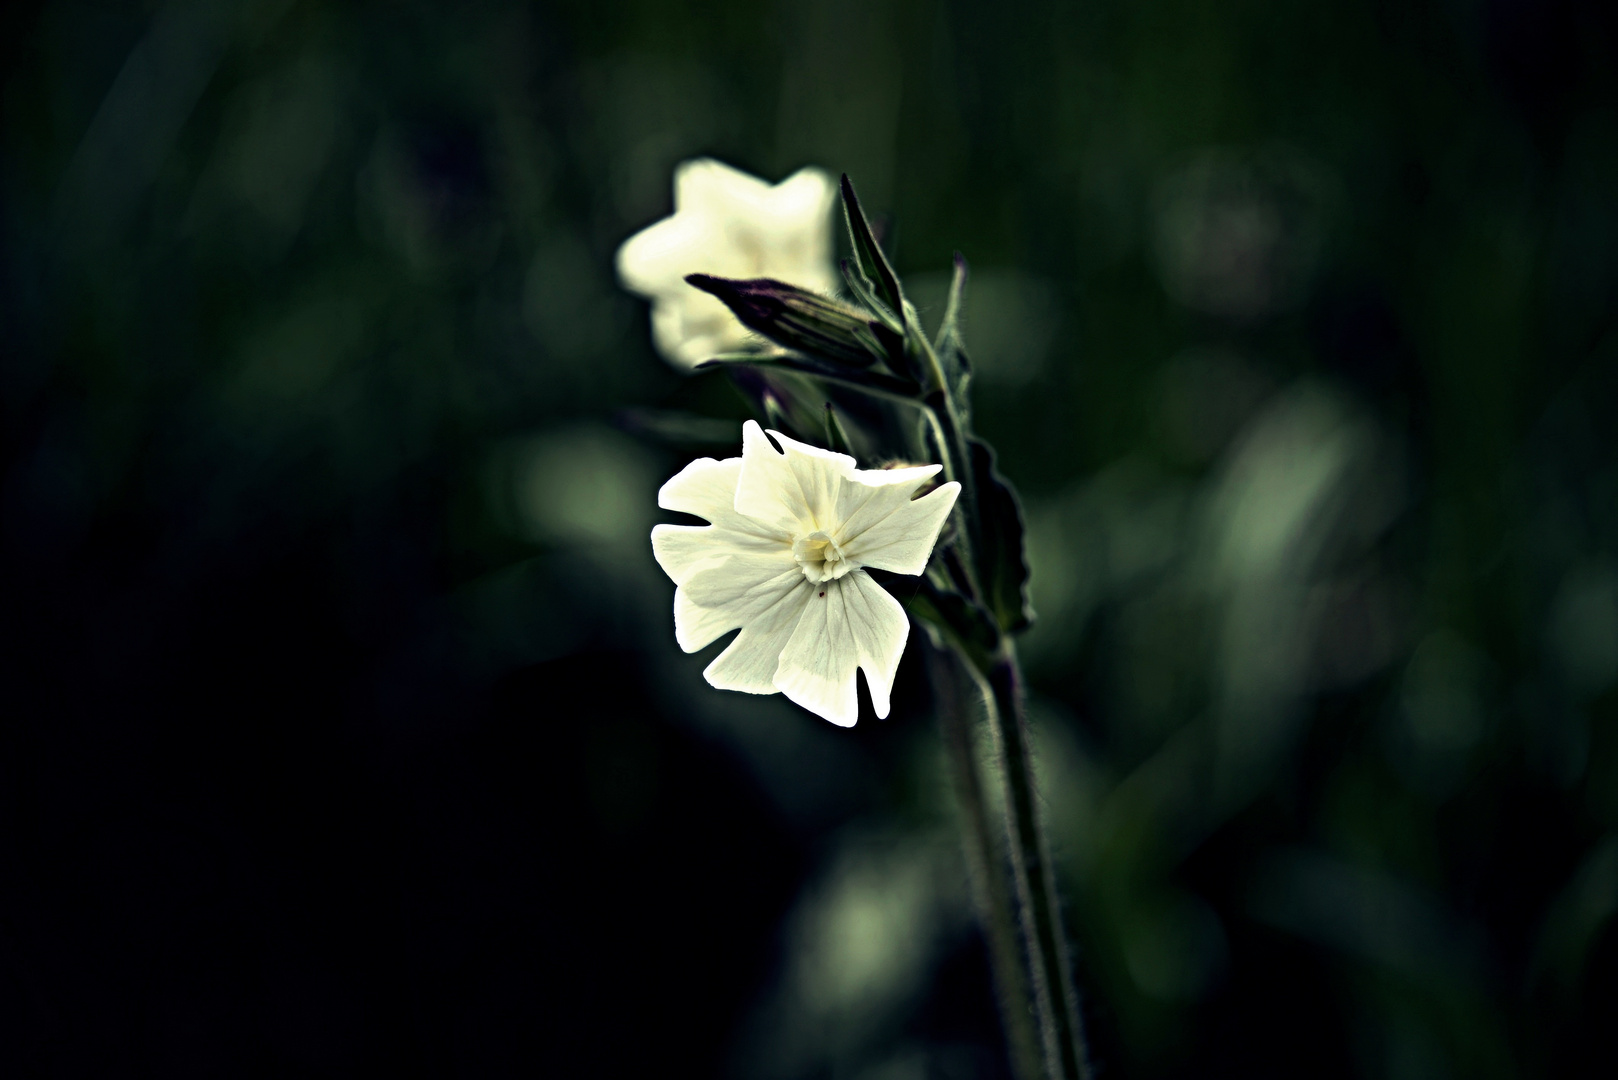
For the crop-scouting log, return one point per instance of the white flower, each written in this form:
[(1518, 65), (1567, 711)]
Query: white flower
[(783, 561), (732, 225)]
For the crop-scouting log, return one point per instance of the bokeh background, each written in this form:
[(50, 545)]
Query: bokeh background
[(341, 723)]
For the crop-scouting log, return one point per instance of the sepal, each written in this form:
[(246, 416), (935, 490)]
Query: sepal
[(799, 319), (861, 287), (868, 256)]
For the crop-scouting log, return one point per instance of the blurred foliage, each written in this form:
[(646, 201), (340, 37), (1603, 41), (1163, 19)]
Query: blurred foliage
[(343, 724)]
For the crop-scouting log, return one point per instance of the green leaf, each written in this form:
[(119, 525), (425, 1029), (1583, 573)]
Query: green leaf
[(780, 398), (868, 254), (926, 436), (916, 349), (870, 382), (776, 415), (954, 618), (950, 346), (860, 286), (1002, 562), (836, 435)]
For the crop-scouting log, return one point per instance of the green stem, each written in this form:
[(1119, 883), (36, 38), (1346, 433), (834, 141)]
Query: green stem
[(955, 433), (1055, 999), (986, 862), (950, 432)]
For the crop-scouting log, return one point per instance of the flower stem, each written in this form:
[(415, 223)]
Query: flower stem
[(1054, 996), (986, 861), (939, 399)]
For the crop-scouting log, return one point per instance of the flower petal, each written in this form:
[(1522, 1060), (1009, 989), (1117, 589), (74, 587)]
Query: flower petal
[(749, 662), (736, 591), (902, 539), (881, 629), (818, 664), (690, 332), (797, 213), (793, 490), (873, 494), (655, 260), (806, 197), (707, 489), (730, 224), (685, 550), (710, 187), (697, 627), (852, 623)]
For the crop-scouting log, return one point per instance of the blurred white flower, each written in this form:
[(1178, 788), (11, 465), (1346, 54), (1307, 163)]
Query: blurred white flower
[(731, 225), (782, 561)]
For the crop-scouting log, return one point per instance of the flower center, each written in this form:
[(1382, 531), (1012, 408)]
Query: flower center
[(820, 558)]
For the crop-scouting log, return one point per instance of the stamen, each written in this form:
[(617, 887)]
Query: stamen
[(820, 558)]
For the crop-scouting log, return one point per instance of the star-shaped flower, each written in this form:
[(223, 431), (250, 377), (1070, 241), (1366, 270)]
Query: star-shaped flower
[(783, 561), (731, 225)]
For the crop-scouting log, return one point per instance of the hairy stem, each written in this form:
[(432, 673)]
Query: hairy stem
[(947, 415), (986, 861), (1055, 999)]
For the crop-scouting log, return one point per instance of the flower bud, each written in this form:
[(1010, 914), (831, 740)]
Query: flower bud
[(799, 319)]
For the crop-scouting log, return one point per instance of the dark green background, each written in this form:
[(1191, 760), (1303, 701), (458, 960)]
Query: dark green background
[(343, 728)]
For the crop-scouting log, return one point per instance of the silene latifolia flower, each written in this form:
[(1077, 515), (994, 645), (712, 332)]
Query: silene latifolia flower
[(783, 560), (731, 225)]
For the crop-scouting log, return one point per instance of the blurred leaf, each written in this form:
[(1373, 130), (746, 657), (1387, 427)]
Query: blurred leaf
[(1576, 917), (1365, 911), (950, 347), (1002, 562), (673, 427)]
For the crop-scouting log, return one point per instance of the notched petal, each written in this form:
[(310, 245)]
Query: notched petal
[(794, 488), (880, 631), (705, 488), (697, 627), (818, 664), (875, 495), (903, 540), (749, 663), (851, 625), (682, 550)]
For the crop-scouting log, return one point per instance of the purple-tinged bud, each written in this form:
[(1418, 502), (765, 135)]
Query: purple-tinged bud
[(800, 319)]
